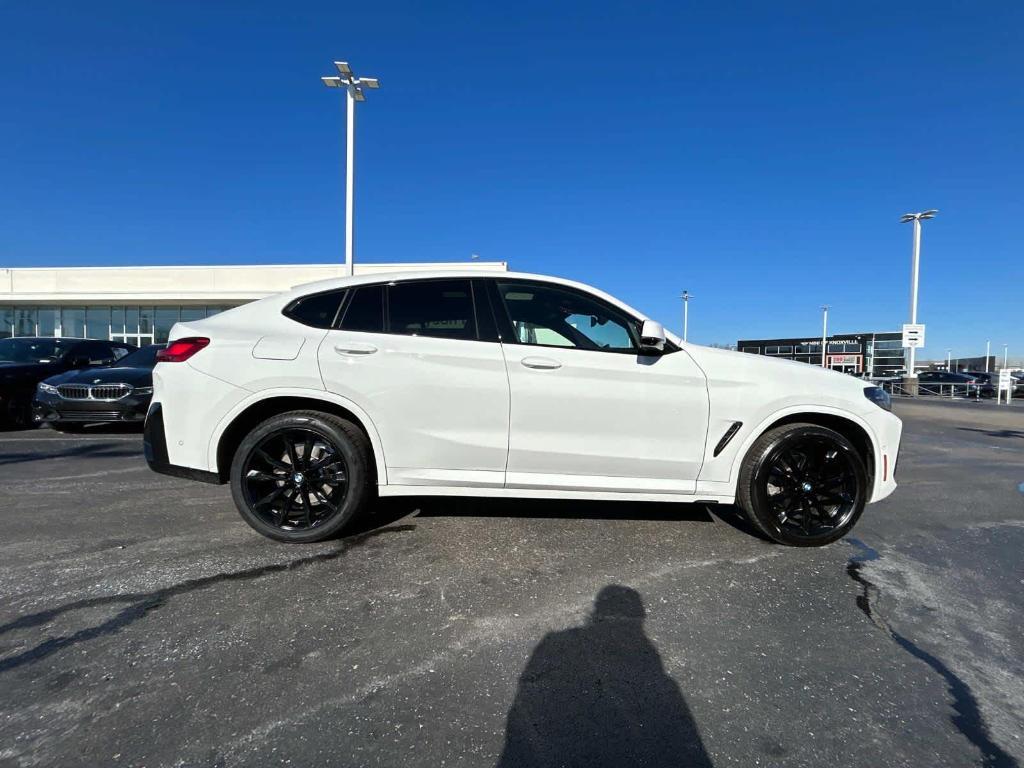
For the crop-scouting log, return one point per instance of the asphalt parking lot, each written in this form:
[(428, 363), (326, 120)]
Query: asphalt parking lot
[(142, 623)]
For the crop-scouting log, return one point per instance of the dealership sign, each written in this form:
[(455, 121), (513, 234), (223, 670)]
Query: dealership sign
[(913, 335)]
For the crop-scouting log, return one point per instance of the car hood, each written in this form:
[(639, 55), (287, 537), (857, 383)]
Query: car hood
[(781, 380), (137, 377)]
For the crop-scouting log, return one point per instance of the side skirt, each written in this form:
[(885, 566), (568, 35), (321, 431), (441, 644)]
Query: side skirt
[(527, 493)]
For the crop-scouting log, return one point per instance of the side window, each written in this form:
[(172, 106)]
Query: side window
[(439, 308), (554, 317), (99, 352), (365, 311), (317, 310), (120, 351)]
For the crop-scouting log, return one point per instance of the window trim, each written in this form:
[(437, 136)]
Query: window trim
[(631, 326), (386, 285), (291, 305)]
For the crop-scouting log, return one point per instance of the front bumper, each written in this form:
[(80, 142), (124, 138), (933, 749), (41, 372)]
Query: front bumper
[(48, 408)]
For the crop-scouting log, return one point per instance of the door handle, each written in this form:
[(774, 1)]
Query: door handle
[(355, 348), (541, 363)]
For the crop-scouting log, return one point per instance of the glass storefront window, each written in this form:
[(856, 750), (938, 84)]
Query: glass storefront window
[(145, 319), (72, 322), (192, 313), (116, 320), (49, 321), (166, 317), (97, 322), (131, 320), (25, 321), (6, 321)]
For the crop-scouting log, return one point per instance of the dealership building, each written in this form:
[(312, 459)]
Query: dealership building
[(876, 354), (138, 305)]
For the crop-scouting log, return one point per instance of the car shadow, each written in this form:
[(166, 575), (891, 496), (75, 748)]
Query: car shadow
[(995, 432), (561, 509), (94, 450), (598, 695)]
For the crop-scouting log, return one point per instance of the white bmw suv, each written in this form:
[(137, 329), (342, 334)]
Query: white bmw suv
[(312, 401)]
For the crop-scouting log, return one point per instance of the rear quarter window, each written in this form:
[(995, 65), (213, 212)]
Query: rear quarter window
[(318, 310)]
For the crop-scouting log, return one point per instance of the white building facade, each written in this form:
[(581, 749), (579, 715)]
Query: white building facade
[(138, 305)]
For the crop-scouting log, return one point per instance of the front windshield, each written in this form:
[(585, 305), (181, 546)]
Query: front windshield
[(140, 358), (32, 350)]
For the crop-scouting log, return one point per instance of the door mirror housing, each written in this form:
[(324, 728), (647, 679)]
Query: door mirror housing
[(652, 337)]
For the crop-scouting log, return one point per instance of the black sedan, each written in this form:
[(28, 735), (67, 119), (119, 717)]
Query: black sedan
[(117, 393), (989, 383), (27, 360)]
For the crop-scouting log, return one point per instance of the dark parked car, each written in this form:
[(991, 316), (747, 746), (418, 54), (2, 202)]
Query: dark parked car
[(117, 393), (947, 382), (27, 360), (989, 383)]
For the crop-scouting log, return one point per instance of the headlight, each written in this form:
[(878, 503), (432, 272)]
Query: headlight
[(47, 388), (879, 397), (142, 391)]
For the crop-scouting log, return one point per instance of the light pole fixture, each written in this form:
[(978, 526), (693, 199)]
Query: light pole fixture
[(686, 312), (917, 218), (824, 333), (354, 89)]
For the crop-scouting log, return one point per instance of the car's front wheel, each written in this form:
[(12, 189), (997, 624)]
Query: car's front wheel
[(301, 476), (803, 485)]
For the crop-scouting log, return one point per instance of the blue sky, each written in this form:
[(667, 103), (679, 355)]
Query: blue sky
[(756, 154)]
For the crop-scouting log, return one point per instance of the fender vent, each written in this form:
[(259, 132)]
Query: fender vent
[(730, 433)]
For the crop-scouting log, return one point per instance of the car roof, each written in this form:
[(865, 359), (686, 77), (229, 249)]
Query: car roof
[(433, 274)]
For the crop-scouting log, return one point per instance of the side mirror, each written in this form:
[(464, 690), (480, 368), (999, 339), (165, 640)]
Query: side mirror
[(652, 337)]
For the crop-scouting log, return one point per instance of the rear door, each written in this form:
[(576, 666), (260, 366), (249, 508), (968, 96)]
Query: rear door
[(423, 360), (588, 411)]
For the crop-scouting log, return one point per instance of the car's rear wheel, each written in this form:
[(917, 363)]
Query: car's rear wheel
[(803, 485), (301, 476)]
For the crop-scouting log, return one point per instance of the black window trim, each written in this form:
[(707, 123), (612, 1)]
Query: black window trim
[(291, 305), (633, 328), (339, 320)]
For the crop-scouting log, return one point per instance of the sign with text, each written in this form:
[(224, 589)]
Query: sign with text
[(1005, 380), (913, 335)]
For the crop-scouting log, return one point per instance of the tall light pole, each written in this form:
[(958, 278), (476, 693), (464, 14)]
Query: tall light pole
[(824, 333), (354, 92), (949, 359), (686, 312), (988, 353), (1005, 358), (915, 264)]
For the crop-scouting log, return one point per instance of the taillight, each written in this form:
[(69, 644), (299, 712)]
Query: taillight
[(180, 350)]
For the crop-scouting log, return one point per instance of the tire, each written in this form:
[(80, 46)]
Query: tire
[(803, 485), (332, 485)]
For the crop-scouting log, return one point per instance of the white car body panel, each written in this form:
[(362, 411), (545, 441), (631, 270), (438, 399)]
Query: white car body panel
[(450, 426), (458, 417)]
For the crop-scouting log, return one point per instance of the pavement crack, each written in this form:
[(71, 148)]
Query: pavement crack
[(141, 603), (968, 718)]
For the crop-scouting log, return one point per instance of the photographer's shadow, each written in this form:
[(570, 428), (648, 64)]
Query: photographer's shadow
[(598, 696)]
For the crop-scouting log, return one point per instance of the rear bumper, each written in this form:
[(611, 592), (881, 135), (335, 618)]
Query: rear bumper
[(154, 445)]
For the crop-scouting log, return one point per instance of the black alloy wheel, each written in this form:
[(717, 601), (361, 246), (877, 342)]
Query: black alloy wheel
[(301, 476), (803, 485)]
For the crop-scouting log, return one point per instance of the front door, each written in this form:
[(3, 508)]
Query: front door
[(587, 410), (414, 357)]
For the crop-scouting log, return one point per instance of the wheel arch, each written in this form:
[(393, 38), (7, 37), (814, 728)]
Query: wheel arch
[(237, 424), (847, 424)]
